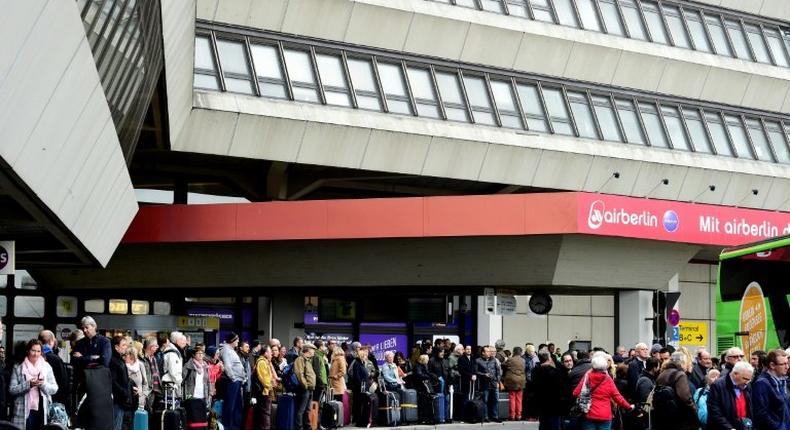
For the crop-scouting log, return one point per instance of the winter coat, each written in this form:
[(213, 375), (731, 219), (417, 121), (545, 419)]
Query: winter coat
[(489, 372), (771, 409), (121, 384), (440, 368), (603, 391), (19, 388), (676, 378), (514, 376), (466, 367), (698, 374), (173, 367), (579, 370), (635, 368), (190, 374), (303, 369), (337, 374), (548, 384), (420, 376), (721, 405), (644, 386)]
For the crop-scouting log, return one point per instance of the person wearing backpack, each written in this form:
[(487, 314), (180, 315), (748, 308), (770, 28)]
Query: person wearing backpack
[(701, 396), (602, 392), (769, 394), (673, 406)]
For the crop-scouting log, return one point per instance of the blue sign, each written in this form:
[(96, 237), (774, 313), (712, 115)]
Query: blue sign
[(675, 334), (671, 221)]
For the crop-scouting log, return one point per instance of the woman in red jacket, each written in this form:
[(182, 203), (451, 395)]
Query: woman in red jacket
[(603, 391)]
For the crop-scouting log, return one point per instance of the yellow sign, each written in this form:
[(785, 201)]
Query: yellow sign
[(754, 320), (693, 333), (198, 323)]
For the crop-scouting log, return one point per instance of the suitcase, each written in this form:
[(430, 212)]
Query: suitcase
[(389, 409), (140, 420), (332, 415), (408, 406), (368, 409), (503, 405), (195, 414), (172, 418), (432, 408), (346, 399), (286, 412), (314, 414), (96, 411), (273, 418), (474, 408), (249, 419)]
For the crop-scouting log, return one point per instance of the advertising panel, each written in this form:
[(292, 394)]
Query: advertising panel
[(381, 343)]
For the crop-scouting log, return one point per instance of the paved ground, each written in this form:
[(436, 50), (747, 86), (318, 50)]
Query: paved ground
[(507, 425)]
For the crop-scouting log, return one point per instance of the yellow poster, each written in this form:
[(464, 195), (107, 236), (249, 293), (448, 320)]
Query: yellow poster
[(693, 333), (753, 319)]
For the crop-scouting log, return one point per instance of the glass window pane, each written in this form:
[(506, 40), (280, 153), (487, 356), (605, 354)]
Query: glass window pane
[(450, 90), (655, 130), (333, 77), (633, 20), (676, 27), (675, 128), (611, 17), (3, 307), (466, 3), (424, 92), (654, 22), (630, 120), (759, 140), (716, 29), (479, 100), (541, 10), (161, 308), (558, 112), (267, 61), (533, 110), (233, 57), (565, 13), (119, 306), (606, 118), (694, 20), (204, 57), (362, 75), (717, 132), (697, 130), (589, 15), (140, 307), (66, 306), (778, 141), (27, 331), (583, 115), (517, 8), (238, 85), (777, 48), (493, 6), (94, 306), (29, 306), (506, 104), (300, 70), (758, 43), (206, 81), (394, 85), (738, 39), (738, 136)]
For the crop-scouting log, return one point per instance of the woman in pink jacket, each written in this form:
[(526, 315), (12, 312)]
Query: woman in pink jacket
[(603, 391)]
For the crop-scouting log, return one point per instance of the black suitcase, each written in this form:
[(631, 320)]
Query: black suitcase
[(172, 418), (96, 411), (474, 408), (408, 406), (195, 414), (503, 405), (430, 408), (368, 409), (331, 414), (389, 409)]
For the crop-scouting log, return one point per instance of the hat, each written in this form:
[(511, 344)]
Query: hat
[(231, 337), (656, 348), (211, 350), (308, 345)]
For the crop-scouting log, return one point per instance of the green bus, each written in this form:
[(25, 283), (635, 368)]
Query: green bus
[(753, 287)]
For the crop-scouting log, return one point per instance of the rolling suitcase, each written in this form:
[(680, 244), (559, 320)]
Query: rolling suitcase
[(389, 409), (431, 408), (503, 405), (172, 417), (140, 420), (474, 408), (408, 406), (286, 412), (332, 413), (368, 409), (273, 417), (195, 414), (314, 414), (440, 408), (346, 399)]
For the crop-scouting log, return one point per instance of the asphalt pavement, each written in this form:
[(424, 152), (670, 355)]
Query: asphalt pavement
[(506, 425)]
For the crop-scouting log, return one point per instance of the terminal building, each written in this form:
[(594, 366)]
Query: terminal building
[(387, 169)]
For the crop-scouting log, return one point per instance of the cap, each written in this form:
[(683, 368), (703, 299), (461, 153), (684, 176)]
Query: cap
[(308, 345), (656, 348), (211, 350), (231, 337)]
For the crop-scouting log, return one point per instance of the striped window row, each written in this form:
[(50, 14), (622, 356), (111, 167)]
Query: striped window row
[(297, 71), (668, 23)]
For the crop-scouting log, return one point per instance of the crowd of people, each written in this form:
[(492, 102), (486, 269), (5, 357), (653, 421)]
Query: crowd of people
[(105, 381)]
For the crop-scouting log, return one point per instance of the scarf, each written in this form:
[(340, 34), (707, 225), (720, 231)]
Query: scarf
[(32, 372), (133, 367), (200, 367)]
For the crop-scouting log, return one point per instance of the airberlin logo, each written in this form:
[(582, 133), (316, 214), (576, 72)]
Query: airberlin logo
[(600, 215)]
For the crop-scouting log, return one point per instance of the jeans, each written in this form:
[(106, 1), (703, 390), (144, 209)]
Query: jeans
[(596, 425), (491, 399), (303, 401), (233, 407), (117, 417)]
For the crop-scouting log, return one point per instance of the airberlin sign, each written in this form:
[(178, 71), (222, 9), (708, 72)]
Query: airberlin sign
[(677, 222)]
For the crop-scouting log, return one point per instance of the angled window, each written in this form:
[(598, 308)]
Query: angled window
[(541, 9), (778, 141), (676, 26), (697, 29), (505, 101), (654, 22), (607, 118), (699, 137), (677, 134), (558, 111), (493, 6), (589, 15), (655, 130), (467, 3), (776, 45), (719, 35), (532, 107), (235, 66), (300, 70), (582, 114), (566, 13), (205, 67), (517, 8), (333, 78), (479, 99), (718, 133), (364, 80), (738, 39), (611, 17), (757, 42), (269, 69), (452, 96), (633, 19), (424, 92), (630, 119), (759, 139), (738, 134), (394, 85)]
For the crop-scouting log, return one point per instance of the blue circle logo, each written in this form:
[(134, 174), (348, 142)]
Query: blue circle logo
[(671, 221)]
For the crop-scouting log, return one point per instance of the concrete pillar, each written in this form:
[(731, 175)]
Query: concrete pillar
[(489, 327), (287, 310), (635, 307)]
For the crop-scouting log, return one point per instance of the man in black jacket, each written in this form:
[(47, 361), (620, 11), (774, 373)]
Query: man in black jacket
[(579, 369), (121, 387), (635, 368), (466, 368), (729, 399), (50, 349)]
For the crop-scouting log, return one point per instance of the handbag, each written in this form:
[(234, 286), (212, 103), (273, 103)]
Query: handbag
[(584, 402)]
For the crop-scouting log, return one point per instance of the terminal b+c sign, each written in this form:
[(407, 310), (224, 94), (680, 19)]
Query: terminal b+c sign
[(694, 333)]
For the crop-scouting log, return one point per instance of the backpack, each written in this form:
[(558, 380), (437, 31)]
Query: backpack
[(664, 399), (289, 379), (701, 400)]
